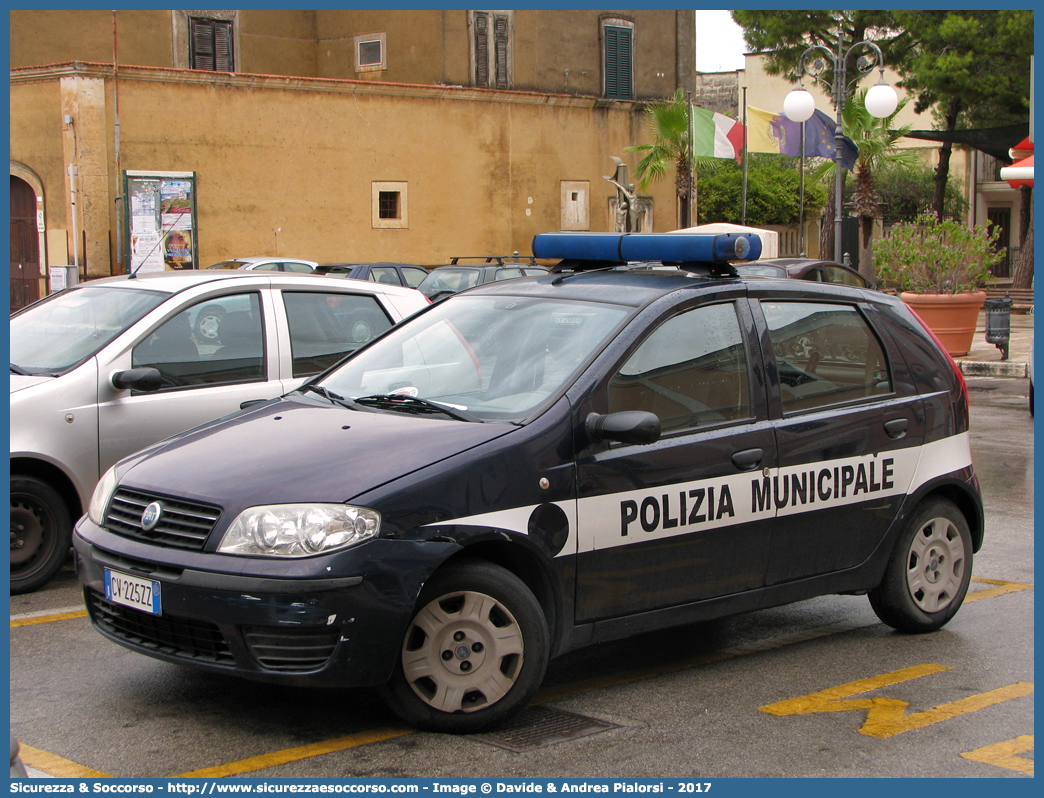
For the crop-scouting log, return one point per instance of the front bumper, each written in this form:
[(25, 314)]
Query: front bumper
[(335, 620)]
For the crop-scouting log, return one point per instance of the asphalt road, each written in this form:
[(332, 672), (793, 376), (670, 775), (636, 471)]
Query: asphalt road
[(712, 700)]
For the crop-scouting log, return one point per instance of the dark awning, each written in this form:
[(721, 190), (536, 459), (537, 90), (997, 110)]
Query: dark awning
[(995, 141)]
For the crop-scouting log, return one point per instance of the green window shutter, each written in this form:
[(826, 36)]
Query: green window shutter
[(617, 63), (481, 48), (500, 42), (210, 41)]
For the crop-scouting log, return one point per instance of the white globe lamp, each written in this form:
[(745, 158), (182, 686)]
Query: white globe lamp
[(881, 100), (799, 105)]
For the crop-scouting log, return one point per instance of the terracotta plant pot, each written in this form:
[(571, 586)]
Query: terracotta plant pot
[(952, 317)]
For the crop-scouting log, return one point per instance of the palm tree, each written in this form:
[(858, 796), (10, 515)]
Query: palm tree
[(877, 141), (668, 122)]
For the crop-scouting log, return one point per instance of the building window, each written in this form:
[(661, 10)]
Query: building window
[(491, 48), (390, 205), (210, 45), (371, 52), (618, 50)]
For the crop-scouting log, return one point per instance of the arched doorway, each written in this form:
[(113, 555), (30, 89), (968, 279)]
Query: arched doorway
[(25, 245)]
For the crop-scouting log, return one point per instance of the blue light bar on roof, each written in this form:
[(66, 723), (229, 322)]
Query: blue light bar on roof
[(668, 247)]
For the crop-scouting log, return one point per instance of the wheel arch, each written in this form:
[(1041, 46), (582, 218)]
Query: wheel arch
[(524, 564), (968, 507), (53, 476)]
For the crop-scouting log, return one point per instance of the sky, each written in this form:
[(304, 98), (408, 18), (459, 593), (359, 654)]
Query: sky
[(719, 42)]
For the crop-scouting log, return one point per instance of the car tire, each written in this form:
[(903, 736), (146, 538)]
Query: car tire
[(41, 533), (474, 653), (208, 324), (928, 573)]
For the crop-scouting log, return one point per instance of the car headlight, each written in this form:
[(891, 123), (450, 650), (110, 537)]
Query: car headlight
[(102, 493), (299, 530)]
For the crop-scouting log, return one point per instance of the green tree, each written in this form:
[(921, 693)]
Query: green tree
[(972, 67), (785, 36), (668, 123), (773, 191), (906, 193), (877, 140)]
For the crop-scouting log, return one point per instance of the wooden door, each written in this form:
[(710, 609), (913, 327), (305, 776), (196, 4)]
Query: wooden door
[(25, 245)]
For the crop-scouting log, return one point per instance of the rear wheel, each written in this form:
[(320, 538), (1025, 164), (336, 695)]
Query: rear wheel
[(41, 533), (474, 653), (929, 571)]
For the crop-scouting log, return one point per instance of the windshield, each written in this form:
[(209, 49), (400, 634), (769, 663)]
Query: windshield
[(496, 357), (229, 264), (65, 329)]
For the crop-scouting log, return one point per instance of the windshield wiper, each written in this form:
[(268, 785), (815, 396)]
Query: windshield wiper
[(330, 396), (413, 404), (18, 370)]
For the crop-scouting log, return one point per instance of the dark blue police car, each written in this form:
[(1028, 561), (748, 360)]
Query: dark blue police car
[(541, 464)]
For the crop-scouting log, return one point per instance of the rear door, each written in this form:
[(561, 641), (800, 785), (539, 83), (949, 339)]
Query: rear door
[(848, 427), (672, 522)]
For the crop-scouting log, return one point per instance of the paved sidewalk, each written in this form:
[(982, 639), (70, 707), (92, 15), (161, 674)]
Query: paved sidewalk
[(984, 360)]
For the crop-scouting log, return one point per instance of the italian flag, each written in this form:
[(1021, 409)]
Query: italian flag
[(716, 135)]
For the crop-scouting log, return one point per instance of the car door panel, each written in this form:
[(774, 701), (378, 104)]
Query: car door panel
[(672, 522), (848, 441), (204, 378)]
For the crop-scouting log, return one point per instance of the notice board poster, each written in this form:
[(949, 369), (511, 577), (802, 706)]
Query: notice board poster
[(160, 220)]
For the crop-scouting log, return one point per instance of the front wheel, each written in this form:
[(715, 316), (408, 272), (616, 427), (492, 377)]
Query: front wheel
[(474, 653), (929, 571), (41, 533)]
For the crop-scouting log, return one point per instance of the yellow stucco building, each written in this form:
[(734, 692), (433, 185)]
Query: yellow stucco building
[(330, 135)]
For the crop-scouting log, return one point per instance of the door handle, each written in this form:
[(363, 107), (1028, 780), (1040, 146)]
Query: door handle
[(897, 427), (748, 459)]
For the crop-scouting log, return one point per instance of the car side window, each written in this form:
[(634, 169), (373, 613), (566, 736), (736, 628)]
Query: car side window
[(690, 372), (825, 354), (300, 268), (832, 274), (384, 275), (216, 341), (324, 327), (414, 276), (269, 267)]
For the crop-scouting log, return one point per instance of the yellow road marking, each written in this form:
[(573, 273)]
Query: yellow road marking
[(61, 616), (288, 755), (56, 766), (1001, 588), (1006, 754), (550, 694), (886, 717)]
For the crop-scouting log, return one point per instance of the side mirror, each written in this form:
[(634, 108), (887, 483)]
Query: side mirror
[(143, 379), (627, 426)]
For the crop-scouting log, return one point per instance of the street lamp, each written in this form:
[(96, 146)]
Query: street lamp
[(799, 105)]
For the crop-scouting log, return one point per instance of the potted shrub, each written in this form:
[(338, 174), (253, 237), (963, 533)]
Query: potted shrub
[(939, 269)]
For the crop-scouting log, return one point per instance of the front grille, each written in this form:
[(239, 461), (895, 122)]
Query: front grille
[(291, 649), (182, 525), (186, 638)]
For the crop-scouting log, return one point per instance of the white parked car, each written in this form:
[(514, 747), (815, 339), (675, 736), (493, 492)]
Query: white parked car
[(267, 264), (111, 366)]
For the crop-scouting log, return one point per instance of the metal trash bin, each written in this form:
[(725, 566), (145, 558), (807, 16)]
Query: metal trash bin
[(998, 323)]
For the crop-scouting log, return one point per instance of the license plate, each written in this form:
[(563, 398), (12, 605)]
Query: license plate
[(133, 591)]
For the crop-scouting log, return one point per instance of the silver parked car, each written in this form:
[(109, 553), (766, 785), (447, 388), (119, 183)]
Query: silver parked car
[(111, 366), (268, 264)]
